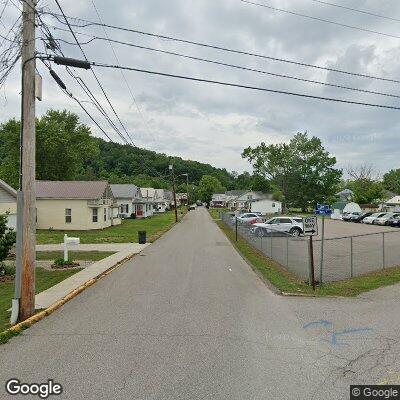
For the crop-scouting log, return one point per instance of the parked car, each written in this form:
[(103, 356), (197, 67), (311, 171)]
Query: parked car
[(291, 225), (361, 217), (373, 217), (250, 218), (349, 216), (192, 207), (384, 220), (394, 221)]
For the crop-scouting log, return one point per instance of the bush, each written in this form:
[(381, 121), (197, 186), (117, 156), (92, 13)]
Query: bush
[(60, 262), (7, 270), (7, 238)]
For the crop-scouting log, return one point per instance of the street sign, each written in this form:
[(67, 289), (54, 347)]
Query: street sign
[(310, 226), (323, 209)]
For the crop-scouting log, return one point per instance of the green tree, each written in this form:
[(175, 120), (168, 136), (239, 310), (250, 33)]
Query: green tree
[(391, 180), (63, 145), (366, 191), (302, 171), (207, 186)]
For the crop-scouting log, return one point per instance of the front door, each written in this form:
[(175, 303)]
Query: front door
[(139, 210)]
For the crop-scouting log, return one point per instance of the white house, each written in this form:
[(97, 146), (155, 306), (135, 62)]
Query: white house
[(161, 200), (125, 195), (266, 206), (392, 205), (8, 204), (218, 200), (145, 203), (243, 200)]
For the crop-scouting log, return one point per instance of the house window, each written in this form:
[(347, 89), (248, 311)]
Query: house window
[(105, 214), (95, 214), (68, 215)]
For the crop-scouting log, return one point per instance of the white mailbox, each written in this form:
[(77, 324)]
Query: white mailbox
[(69, 241)]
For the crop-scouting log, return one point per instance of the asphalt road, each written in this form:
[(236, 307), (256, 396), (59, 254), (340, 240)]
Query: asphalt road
[(190, 320)]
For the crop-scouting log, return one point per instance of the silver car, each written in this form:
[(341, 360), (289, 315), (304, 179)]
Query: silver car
[(283, 224)]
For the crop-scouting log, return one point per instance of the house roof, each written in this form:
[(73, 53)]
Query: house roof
[(70, 189), (236, 192), (8, 188), (394, 200), (124, 191), (148, 192)]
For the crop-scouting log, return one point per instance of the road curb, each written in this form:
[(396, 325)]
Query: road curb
[(16, 329)]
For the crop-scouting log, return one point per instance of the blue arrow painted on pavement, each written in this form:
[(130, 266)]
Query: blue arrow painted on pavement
[(321, 322)]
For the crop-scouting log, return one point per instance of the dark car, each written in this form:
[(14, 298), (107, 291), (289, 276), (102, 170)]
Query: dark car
[(394, 221), (359, 218)]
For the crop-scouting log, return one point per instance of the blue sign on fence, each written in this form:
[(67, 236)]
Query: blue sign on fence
[(323, 209)]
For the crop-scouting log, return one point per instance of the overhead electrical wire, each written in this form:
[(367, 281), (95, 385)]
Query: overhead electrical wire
[(88, 23), (189, 78), (320, 19), (356, 10), (224, 64), (122, 73), (94, 74)]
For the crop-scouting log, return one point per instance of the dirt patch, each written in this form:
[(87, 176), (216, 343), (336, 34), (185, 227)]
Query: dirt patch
[(7, 278)]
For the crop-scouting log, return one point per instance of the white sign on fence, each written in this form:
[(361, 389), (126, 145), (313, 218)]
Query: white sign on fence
[(310, 226)]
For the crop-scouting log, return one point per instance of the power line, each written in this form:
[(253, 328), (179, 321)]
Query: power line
[(226, 64), (94, 74), (189, 78), (321, 19), (356, 10), (69, 94), (216, 47), (122, 73)]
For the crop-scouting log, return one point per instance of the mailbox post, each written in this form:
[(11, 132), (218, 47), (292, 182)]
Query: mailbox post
[(69, 241)]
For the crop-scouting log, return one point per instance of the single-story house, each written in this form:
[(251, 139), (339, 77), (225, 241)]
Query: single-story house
[(75, 205), (392, 205), (125, 196), (266, 206), (8, 204), (218, 200), (242, 202)]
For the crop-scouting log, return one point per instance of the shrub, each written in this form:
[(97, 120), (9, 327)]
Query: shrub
[(60, 262), (7, 238)]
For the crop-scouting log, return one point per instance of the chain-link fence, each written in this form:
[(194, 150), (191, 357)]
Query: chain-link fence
[(342, 257)]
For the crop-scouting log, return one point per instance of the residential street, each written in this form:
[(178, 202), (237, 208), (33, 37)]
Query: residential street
[(189, 319)]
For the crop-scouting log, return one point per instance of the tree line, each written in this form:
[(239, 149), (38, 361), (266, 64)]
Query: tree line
[(299, 173)]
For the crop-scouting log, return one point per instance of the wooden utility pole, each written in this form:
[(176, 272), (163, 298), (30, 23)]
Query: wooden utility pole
[(28, 162), (171, 167)]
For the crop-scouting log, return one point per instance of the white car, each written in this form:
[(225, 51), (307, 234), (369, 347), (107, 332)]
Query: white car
[(371, 219), (292, 225), (247, 217), (384, 220)]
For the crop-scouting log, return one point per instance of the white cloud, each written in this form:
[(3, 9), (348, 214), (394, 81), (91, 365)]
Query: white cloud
[(212, 123)]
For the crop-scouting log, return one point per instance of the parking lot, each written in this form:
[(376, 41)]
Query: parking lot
[(337, 228), (349, 250)]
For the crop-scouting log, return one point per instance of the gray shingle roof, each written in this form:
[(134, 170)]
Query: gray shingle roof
[(70, 189), (124, 191)]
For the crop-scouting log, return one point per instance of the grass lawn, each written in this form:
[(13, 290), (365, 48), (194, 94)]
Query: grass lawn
[(287, 282), (127, 232), (74, 255), (44, 280), (215, 212)]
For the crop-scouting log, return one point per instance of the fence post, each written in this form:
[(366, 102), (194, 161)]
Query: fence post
[(236, 229), (287, 251), (351, 257), (383, 250)]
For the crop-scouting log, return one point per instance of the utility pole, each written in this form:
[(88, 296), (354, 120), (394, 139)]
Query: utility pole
[(171, 168), (27, 247)]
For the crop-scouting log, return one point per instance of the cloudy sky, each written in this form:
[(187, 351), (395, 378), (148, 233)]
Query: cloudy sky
[(214, 123)]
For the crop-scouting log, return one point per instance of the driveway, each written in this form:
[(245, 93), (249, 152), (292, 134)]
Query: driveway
[(188, 319)]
